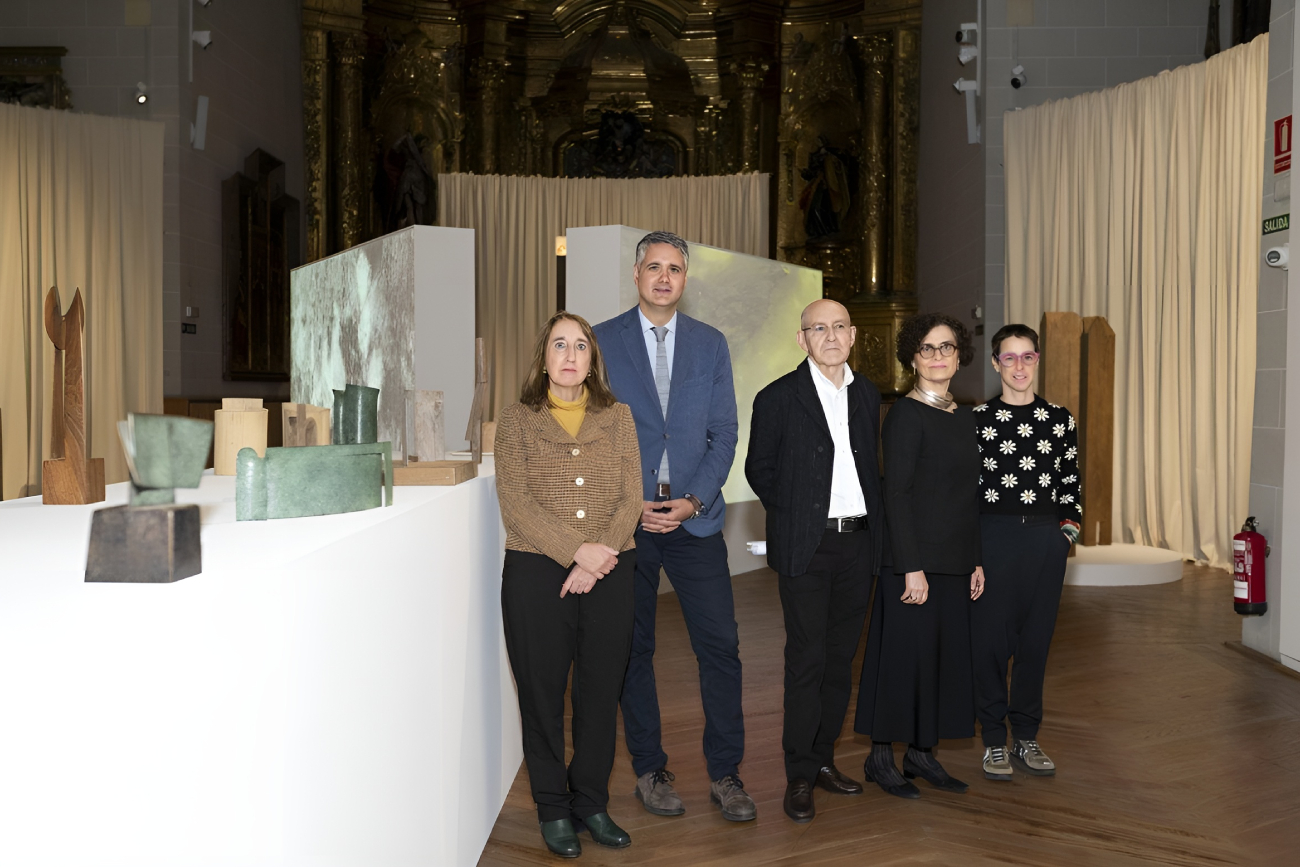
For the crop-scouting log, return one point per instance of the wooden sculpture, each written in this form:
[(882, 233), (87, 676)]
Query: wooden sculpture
[(69, 478), (474, 432), (1077, 371), (241, 423), (425, 439), (305, 425)]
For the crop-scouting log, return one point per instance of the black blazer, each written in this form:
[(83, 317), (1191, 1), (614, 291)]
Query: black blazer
[(791, 455)]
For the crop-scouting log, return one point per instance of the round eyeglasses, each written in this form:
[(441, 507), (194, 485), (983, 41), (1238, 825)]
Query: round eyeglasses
[(1009, 359), (944, 349)]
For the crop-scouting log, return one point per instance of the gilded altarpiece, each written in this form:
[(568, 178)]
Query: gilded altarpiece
[(823, 96)]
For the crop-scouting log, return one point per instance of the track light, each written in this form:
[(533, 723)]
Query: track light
[(202, 38), (141, 93)]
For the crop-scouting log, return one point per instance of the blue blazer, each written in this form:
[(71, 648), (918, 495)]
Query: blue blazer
[(700, 430)]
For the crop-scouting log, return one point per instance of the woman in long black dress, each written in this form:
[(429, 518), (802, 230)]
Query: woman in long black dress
[(916, 678)]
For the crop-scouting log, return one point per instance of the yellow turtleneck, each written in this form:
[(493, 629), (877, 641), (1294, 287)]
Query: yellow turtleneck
[(569, 413)]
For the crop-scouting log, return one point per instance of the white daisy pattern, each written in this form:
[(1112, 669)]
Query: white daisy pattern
[(981, 407), (1032, 452)]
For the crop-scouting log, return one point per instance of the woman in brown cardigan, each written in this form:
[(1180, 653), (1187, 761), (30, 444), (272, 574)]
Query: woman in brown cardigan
[(569, 482)]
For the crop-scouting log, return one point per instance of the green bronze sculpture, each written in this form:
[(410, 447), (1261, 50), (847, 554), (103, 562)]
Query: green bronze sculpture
[(153, 540), (312, 480)]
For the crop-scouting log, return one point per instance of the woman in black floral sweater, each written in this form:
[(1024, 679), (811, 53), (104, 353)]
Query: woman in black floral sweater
[(1029, 517)]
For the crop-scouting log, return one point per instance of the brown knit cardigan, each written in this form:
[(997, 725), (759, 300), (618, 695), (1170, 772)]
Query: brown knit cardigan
[(558, 491)]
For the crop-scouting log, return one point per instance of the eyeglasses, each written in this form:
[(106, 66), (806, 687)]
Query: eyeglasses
[(840, 329), (1009, 359), (928, 351)]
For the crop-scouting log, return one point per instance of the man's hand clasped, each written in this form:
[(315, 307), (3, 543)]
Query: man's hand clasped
[(665, 516)]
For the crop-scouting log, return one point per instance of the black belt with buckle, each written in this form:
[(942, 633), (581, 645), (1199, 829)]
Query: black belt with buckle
[(663, 492), (847, 525)]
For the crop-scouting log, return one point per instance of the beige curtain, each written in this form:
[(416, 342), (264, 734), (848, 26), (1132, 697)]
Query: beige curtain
[(80, 208), (1142, 204), (516, 221)]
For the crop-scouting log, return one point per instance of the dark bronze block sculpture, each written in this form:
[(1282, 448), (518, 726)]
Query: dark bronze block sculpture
[(153, 540)]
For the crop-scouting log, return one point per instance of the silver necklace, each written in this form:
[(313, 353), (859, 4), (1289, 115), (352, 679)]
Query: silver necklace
[(934, 400)]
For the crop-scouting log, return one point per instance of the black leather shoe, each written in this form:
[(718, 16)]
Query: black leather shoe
[(880, 769), (927, 767), (561, 839), (605, 832), (799, 801), (830, 779)]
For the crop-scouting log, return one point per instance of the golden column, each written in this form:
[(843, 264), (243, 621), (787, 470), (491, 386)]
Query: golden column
[(315, 89), (488, 75), (877, 51), (751, 72), (347, 137), (906, 126)]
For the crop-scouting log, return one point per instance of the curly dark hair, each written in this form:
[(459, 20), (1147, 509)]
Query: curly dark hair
[(914, 329)]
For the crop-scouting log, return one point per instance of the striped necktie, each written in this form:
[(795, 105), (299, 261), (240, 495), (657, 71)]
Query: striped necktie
[(661, 385)]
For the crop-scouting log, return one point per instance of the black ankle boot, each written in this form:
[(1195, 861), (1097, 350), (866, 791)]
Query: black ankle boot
[(922, 763), (880, 769)]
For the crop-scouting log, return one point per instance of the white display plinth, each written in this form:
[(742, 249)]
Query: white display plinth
[(329, 691), (1122, 566)]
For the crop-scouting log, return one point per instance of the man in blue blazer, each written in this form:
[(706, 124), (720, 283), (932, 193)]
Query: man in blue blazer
[(675, 374)]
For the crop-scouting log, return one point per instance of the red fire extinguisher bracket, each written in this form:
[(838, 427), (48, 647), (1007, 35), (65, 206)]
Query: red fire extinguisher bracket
[(1249, 549)]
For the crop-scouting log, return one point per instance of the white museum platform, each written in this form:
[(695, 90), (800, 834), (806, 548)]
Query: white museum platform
[(1122, 565), (329, 691)]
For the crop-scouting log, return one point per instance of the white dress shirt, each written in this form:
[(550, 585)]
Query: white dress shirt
[(670, 340), (847, 500)]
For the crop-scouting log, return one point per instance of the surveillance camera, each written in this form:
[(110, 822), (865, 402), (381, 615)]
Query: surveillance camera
[(1278, 257), (1018, 77), (967, 53), (203, 38), (968, 33)]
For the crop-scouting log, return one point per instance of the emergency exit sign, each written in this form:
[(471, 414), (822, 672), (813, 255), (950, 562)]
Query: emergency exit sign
[(1282, 145)]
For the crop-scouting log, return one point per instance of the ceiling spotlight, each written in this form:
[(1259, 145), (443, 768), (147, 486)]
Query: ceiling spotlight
[(202, 38), (141, 93), (204, 2)]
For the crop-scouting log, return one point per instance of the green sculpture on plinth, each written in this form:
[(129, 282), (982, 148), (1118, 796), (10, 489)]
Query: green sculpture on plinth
[(312, 480), (153, 540)]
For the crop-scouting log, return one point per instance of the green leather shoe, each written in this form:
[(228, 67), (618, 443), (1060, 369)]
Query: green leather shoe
[(606, 833), (561, 839)]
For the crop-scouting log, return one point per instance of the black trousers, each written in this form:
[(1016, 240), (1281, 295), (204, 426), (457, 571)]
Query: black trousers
[(544, 636), (697, 568), (1024, 568), (824, 611), (916, 674)]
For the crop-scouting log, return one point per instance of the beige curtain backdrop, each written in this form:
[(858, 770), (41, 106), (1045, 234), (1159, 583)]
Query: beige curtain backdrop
[(80, 208), (516, 221), (1142, 204)]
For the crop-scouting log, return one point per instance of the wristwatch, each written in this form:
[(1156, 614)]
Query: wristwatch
[(694, 501)]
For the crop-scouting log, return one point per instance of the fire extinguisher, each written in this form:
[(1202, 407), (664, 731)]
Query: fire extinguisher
[(1249, 549)]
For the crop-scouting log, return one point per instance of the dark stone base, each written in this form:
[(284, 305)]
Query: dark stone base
[(144, 544)]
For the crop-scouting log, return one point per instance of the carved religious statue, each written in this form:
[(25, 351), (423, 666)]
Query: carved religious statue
[(69, 478), (825, 201)]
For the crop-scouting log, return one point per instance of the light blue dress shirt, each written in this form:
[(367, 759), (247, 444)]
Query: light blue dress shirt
[(670, 339)]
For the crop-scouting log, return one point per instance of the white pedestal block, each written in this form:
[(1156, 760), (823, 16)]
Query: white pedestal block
[(1122, 566)]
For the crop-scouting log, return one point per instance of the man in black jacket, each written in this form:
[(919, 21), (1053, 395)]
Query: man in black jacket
[(812, 462)]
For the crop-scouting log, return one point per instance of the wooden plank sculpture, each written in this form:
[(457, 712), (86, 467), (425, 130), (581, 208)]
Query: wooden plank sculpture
[(69, 478), (1097, 430), (241, 423), (153, 540), (425, 437), (474, 432), (1060, 337), (305, 425)]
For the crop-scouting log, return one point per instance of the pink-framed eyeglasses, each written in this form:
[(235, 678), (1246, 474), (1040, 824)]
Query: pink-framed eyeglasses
[(1009, 359)]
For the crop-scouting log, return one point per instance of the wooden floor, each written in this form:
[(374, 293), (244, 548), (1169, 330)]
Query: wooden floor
[(1172, 748)]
